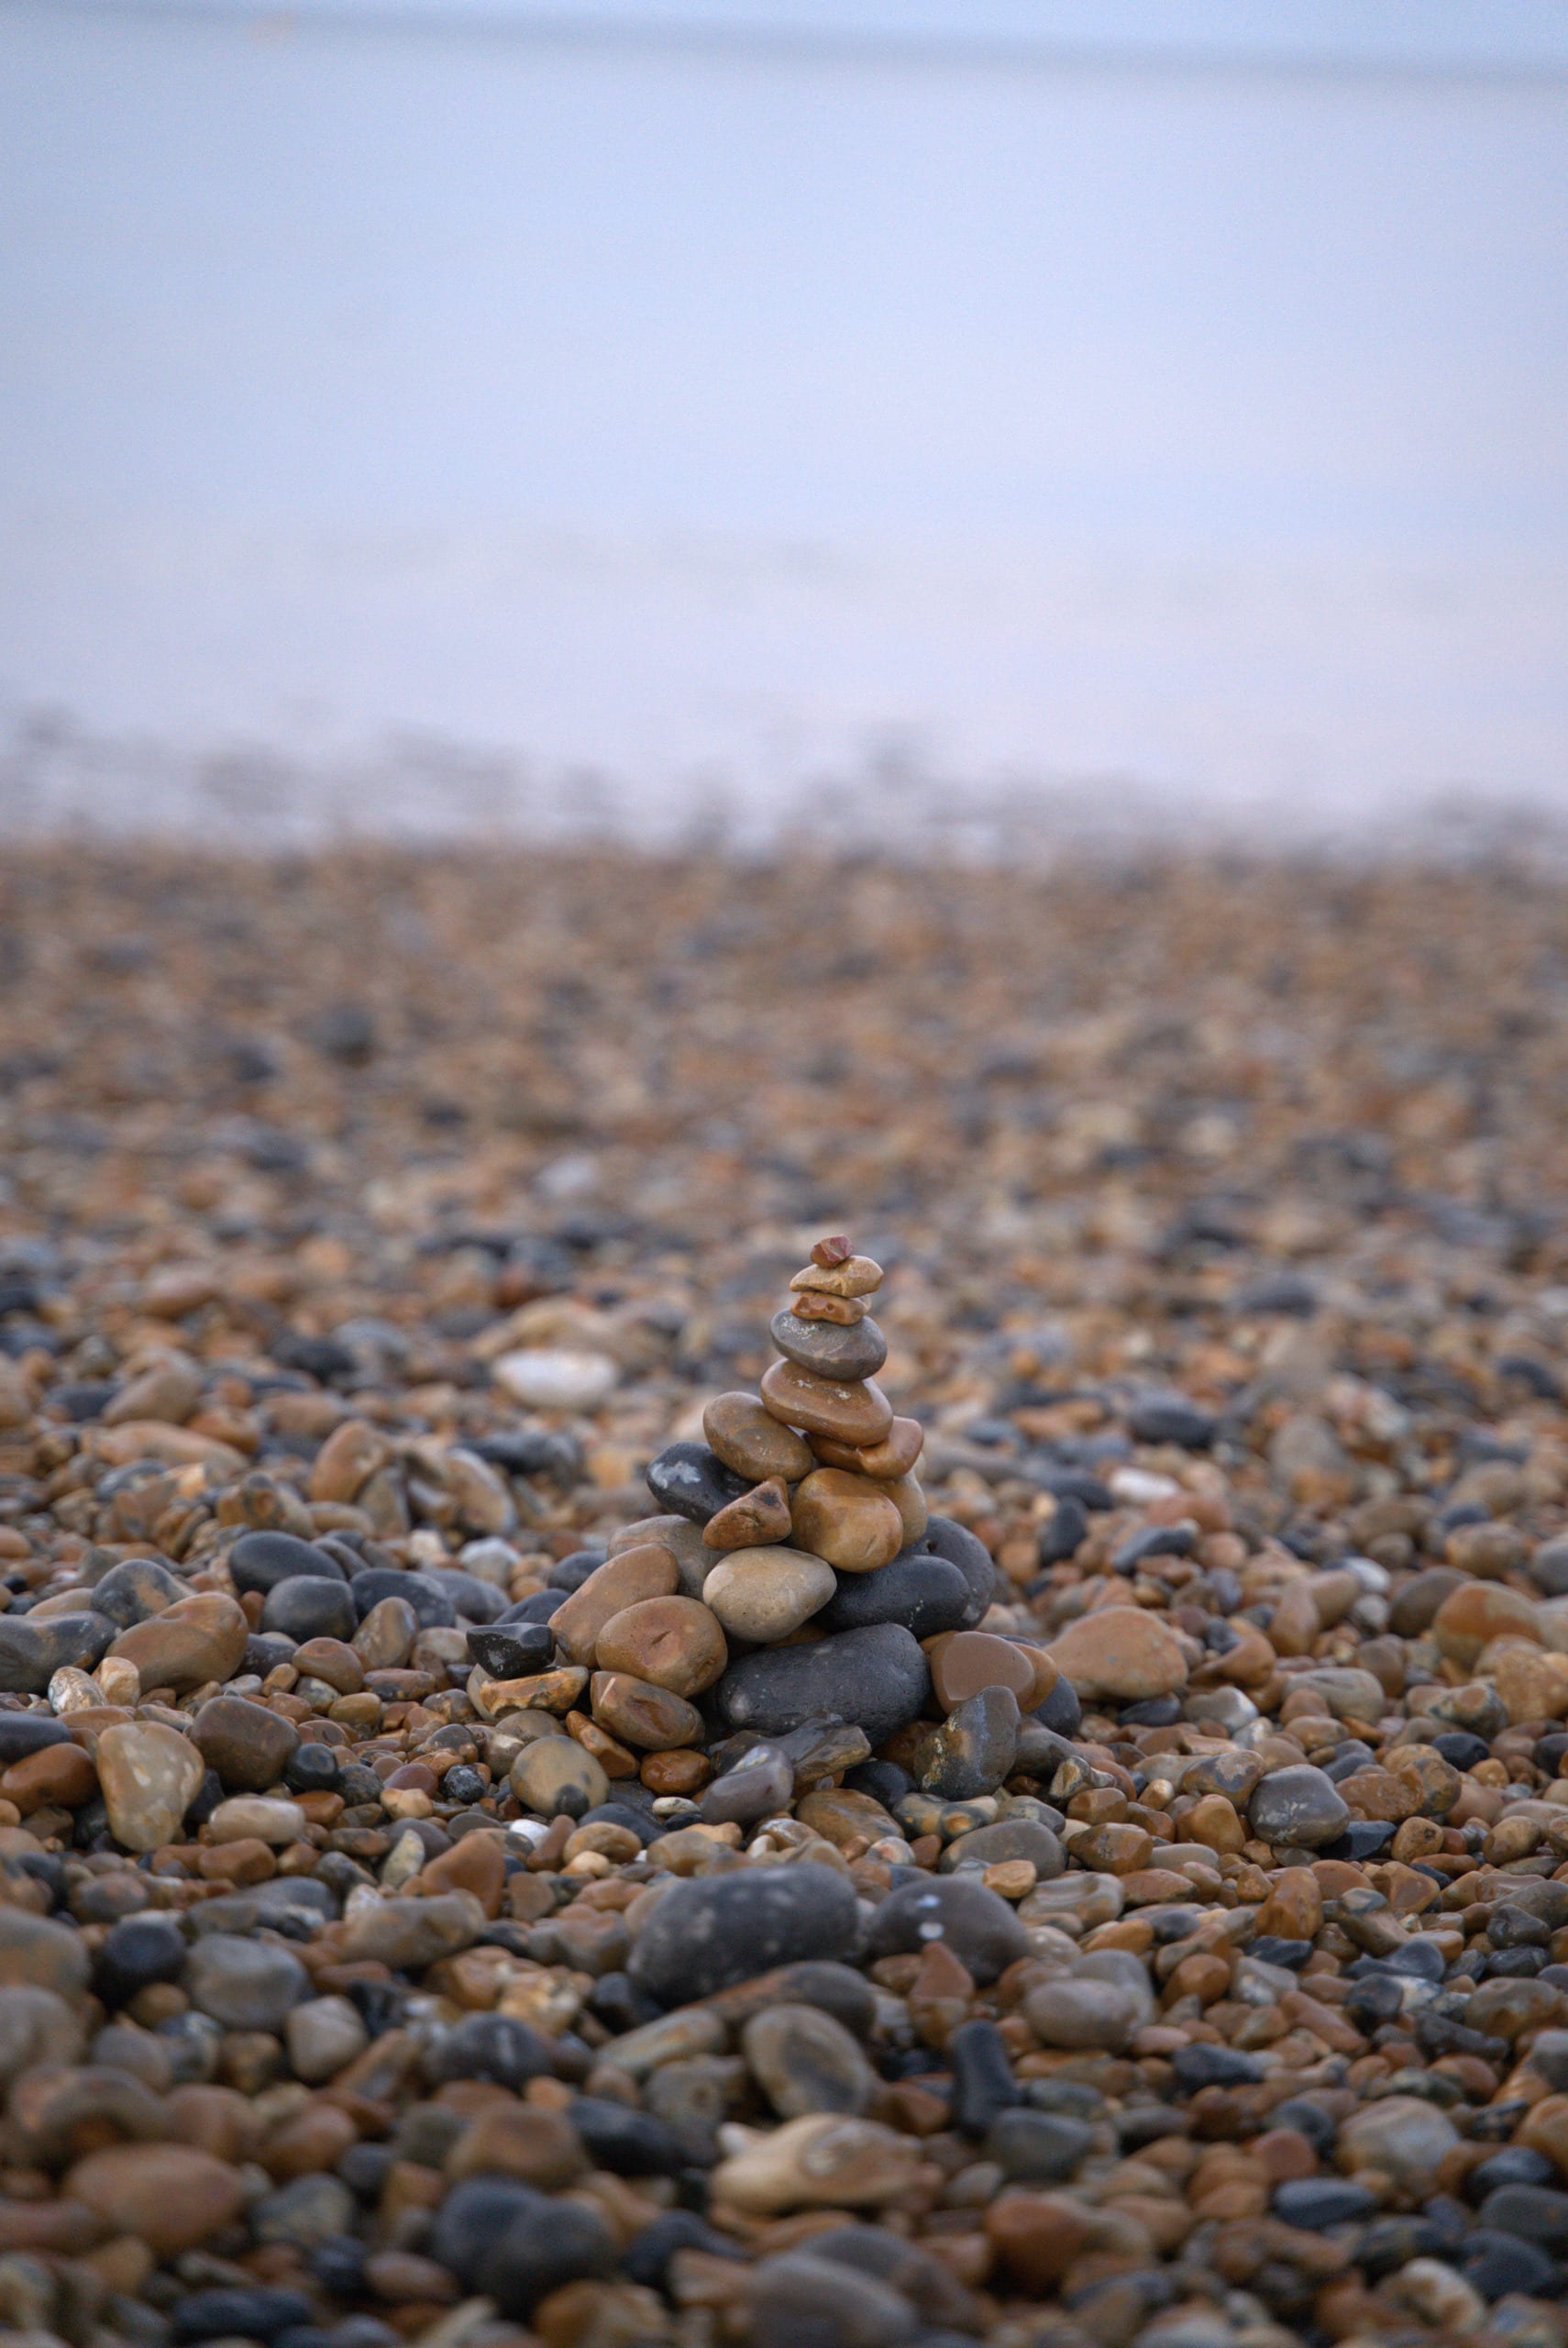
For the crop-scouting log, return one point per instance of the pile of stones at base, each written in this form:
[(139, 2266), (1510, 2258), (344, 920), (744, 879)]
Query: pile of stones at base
[(756, 1928), (348, 1997)]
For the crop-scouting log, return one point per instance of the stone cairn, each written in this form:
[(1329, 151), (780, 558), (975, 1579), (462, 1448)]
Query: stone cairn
[(794, 1611)]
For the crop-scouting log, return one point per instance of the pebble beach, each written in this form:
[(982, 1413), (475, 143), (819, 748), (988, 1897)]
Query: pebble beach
[(807, 1604)]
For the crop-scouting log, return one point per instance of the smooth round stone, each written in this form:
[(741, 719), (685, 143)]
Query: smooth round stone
[(762, 1595), (712, 1931), (555, 1775), (170, 2197), (259, 1818), (978, 1925), (1548, 1569), (1038, 2147), (306, 1607), (322, 2035), (893, 1457), (924, 1593), (750, 1440), (243, 1984), (914, 1513), (960, 1548), (1121, 1651), (832, 1351), (247, 1744), (673, 1642), (149, 1775), (332, 1661), (498, 2048), (804, 2061), (654, 1719), (552, 1378), (133, 1953), (384, 1640), (134, 1589), (32, 1651), (691, 1480), (847, 1520), (876, 1678), (24, 1732), (408, 1934), (514, 1651), (509, 2243), (312, 1768), (1299, 1805), (1010, 1838), (200, 1638), (857, 1414), (974, 1749), (761, 1782), (1081, 2014), (967, 1661), (260, 1560), (854, 1276), (1403, 2135), (432, 1603), (305, 2211), (628, 1578)]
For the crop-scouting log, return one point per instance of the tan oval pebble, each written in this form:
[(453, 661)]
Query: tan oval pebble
[(332, 1661), (804, 2061), (1121, 1651), (384, 1640), (169, 2195), (748, 1438), (673, 1642), (648, 1571), (650, 1719), (857, 1413), (962, 1662), (555, 1774), (149, 1776), (820, 2161), (848, 1520), (856, 1276), (243, 1816), (1475, 1613), (895, 1456), (195, 1639), (763, 1595)]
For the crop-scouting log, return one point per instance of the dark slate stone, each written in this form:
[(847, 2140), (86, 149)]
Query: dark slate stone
[(259, 1560), (983, 2083), (308, 1606), (627, 2143), (24, 1732), (1497, 2264), (514, 2245), (499, 2047), (647, 2257), (1038, 2147), (312, 1769), (1062, 1711), (476, 1600), (836, 1349), (876, 1678), (713, 1931), (31, 1653), (1316, 2203), (1536, 2213), (1171, 1418), (135, 1952), (959, 1546), (537, 1607), (1213, 2066), (979, 1926), (570, 1573), (921, 1591), (512, 1651), (976, 1747), (432, 1607), (688, 1479), (135, 1589), (253, 2312)]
